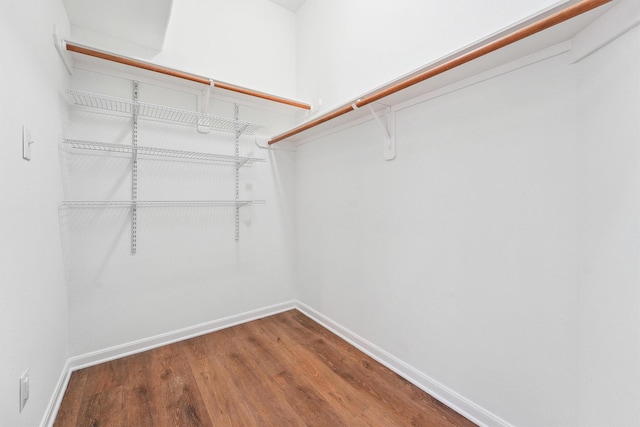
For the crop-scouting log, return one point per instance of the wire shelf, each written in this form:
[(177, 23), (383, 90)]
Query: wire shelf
[(160, 112), (157, 203), (158, 152)]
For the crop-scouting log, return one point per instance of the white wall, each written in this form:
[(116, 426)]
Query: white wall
[(249, 43), (608, 197), (458, 257), (346, 48), (498, 253), (245, 42), (188, 268), (33, 295)]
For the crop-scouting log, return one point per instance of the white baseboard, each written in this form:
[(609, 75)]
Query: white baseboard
[(116, 352), (437, 390), (94, 358), (56, 399)]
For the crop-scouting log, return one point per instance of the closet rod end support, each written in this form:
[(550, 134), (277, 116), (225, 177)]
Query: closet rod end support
[(61, 48)]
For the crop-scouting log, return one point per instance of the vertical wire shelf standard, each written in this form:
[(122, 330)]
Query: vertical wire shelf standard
[(161, 112), (134, 169)]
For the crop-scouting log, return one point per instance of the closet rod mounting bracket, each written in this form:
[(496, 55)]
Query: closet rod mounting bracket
[(262, 142), (61, 48), (387, 126), (203, 106)]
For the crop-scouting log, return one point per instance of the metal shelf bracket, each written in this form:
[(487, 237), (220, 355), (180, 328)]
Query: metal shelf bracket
[(388, 127)]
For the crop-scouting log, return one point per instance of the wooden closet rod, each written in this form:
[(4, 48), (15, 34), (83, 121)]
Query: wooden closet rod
[(510, 38), (72, 47)]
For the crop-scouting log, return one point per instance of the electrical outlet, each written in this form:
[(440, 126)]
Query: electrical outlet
[(24, 389)]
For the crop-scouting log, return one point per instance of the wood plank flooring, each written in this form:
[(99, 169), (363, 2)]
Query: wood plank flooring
[(283, 370)]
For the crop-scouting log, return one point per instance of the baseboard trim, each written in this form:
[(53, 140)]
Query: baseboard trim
[(128, 349), (116, 352), (439, 391), (56, 398)]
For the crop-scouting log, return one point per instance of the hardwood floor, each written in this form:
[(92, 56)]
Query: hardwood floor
[(284, 370)]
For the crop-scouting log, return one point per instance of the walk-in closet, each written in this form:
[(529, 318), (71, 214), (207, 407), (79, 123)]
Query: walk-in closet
[(320, 212)]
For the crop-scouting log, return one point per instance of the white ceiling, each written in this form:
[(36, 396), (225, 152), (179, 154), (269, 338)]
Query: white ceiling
[(143, 22), (292, 5)]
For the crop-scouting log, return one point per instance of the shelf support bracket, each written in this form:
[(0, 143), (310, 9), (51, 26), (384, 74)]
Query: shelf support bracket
[(203, 106), (388, 131)]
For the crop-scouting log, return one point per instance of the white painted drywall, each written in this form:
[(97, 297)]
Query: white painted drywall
[(458, 257), (249, 43), (245, 42), (33, 295), (346, 48), (608, 200), (498, 253), (142, 24), (188, 268)]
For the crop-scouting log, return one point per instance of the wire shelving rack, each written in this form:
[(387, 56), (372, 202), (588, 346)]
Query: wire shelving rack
[(158, 152), (136, 110), (157, 203), (161, 112)]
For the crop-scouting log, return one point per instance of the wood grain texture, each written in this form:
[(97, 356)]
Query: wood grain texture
[(283, 370), (107, 56), (73, 47), (262, 95)]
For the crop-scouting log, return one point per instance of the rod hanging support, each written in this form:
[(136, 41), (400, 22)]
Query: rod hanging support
[(388, 131), (203, 106), (504, 39), (60, 45)]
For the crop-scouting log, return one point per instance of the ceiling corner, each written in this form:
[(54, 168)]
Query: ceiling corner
[(292, 5)]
